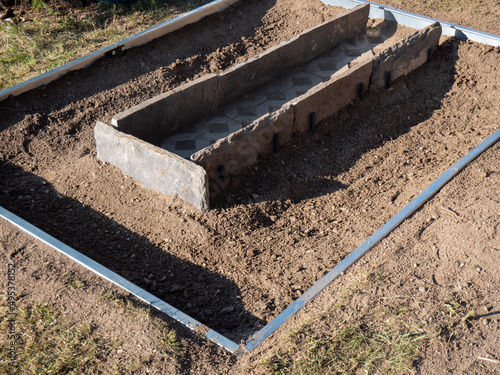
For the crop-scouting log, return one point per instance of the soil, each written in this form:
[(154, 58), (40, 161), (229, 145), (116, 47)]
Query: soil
[(281, 224)]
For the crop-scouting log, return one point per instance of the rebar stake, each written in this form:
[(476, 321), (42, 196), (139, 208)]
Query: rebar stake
[(388, 76), (312, 122), (276, 142)]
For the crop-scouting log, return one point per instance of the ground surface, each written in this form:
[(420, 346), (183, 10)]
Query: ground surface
[(283, 223)]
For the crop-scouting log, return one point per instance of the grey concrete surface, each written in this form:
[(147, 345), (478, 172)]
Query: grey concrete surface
[(155, 168)]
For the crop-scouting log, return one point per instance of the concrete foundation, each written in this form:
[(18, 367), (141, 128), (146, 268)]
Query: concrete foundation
[(254, 122)]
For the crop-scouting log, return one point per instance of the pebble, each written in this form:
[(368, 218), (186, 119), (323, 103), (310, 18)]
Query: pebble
[(485, 322), (273, 218), (147, 281), (227, 310), (422, 289), (133, 256), (483, 174), (255, 196), (151, 276), (176, 288), (163, 278)]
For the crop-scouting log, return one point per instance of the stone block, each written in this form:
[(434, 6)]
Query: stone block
[(168, 113), (405, 56), (155, 168), (329, 97)]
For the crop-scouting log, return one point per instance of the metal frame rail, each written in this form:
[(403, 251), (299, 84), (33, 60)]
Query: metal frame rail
[(418, 22), (376, 11)]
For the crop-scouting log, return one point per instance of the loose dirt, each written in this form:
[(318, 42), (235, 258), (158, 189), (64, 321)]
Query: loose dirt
[(281, 224)]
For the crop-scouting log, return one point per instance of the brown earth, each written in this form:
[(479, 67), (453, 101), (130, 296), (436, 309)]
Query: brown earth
[(281, 224)]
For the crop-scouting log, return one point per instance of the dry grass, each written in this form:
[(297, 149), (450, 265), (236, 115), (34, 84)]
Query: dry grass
[(46, 37)]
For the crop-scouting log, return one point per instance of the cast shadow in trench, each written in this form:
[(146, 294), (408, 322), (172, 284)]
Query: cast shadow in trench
[(195, 290), (309, 165)]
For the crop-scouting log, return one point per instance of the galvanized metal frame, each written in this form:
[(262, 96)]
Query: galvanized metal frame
[(116, 279), (376, 11), (418, 22), (370, 242), (132, 41)]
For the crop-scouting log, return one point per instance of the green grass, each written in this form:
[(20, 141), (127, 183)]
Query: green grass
[(365, 349), (73, 281), (44, 38), (49, 342), (47, 345), (352, 349)]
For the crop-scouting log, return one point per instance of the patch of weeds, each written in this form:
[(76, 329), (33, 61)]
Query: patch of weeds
[(128, 305), (168, 338), (45, 39), (73, 281), (452, 308), (351, 292), (359, 348), (278, 364), (4, 244)]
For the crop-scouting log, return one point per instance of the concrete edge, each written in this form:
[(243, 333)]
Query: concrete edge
[(155, 168), (135, 40)]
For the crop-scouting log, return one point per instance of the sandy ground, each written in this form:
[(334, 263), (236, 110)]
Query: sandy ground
[(283, 223)]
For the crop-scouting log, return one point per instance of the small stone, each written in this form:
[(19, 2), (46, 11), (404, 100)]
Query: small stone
[(163, 278), (227, 310), (415, 265), (255, 196), (188, 305), (251, 253), (133, 256), (151, 276), (483, 174), (422, 289), (485, 322), (176, 288), (147, 281), (273, 218)]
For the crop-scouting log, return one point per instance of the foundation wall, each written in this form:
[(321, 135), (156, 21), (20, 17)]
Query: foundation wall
[(281, 59), (170, 174), (166, 114), (242, 148)]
